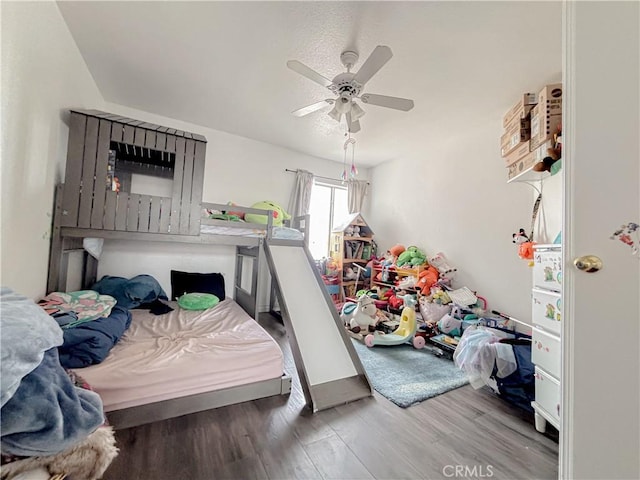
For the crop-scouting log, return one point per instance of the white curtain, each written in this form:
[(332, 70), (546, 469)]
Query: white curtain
[(301, 195), (356, 191)]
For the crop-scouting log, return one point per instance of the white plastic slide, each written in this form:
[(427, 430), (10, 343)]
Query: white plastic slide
[(328, 365)]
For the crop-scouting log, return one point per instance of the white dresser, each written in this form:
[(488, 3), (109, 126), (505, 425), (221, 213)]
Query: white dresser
[(547, 334)]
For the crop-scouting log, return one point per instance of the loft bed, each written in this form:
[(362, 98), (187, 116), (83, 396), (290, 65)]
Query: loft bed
[(248, 238), (108, 157)]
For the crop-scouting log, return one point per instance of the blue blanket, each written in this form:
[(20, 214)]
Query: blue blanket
[(27, 332), (91, 342), (48, 414), (130, 293)]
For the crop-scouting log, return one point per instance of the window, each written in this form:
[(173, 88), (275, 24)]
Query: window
[(329, 207)]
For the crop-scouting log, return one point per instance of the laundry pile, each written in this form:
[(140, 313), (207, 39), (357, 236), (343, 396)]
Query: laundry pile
[(42, 411)]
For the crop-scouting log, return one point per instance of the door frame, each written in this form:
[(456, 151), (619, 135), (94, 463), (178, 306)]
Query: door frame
[(565, 465)]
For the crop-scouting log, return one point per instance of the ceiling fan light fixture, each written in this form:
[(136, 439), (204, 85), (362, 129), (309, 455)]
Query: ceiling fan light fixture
[(356, 111), (334, 113), (343, 104)]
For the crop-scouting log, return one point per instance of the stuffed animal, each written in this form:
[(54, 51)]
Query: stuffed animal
[(396, 302), (279, 214), (238, 214), (349, 274), (553, 154), (427, 279), (362, 318), (396, 250), (392, 254), (520, 237), (412, 256)]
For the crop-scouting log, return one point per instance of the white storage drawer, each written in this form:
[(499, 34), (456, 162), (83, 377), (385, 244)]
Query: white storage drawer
[(547, 310), (547, 393), (545, 351), (547, 267)]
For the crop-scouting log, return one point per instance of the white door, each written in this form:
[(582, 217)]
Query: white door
[(601, 373)]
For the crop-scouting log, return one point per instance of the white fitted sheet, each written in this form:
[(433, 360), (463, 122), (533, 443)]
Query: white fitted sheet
[(184, 353), (283, 233)]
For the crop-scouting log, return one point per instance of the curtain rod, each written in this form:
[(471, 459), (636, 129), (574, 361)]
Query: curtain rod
[(318, 176)]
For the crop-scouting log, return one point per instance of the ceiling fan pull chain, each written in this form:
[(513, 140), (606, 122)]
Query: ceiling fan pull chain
[(354, 170), (350, 141), (343, 175)]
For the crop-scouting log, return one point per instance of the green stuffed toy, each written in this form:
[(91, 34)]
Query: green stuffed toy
[(279, 215), (412, 256)]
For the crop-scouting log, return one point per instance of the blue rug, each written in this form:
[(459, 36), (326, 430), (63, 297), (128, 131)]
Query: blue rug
[(407, 376)]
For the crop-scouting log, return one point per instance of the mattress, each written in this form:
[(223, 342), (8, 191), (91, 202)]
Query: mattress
[(184, 353), (283, 233)]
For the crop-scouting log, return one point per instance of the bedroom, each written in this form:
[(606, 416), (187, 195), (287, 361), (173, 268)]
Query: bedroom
[(35, 128)]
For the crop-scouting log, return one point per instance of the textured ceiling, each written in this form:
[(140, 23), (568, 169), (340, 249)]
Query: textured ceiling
[(223, 64)]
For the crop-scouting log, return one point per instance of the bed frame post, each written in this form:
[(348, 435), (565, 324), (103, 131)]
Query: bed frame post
[(248, 300), (55, 252), (256, 280)]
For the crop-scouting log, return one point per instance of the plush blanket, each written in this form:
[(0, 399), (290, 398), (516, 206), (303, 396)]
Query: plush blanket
[(27, 332), (91, 342), (86, 460), (47, 413)]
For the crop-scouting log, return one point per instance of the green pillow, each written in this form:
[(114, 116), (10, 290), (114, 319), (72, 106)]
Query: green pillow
[(197, 301)]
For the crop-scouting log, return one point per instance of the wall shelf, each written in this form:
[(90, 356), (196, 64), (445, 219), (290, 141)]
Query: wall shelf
[(529, 175)]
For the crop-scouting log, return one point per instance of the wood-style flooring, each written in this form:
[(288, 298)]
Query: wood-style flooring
[(464, 433)]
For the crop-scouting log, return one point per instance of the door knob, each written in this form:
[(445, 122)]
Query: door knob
[(588, 263)]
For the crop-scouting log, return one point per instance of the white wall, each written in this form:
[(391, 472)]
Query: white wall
[(237, 169), (43, 74), (453, 197), (549, 222)]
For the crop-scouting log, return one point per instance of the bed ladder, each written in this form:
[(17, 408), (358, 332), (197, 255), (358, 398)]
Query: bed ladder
[(329, 368)]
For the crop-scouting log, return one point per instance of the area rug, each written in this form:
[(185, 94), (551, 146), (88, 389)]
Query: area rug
[(407, 376)]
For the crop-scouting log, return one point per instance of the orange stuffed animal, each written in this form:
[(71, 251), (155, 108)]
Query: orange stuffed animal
[(427, 279)]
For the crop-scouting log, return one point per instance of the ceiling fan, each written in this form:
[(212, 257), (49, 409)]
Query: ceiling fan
[(348, 86)]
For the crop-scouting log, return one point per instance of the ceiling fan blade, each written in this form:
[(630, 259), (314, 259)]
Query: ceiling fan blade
[(305, 71), (301, 112), (354, 126), (398, 103), (380, 55)]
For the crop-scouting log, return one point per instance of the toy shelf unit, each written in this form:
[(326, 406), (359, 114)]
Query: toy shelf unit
[(351, 249), (128, 175), (382, 276)]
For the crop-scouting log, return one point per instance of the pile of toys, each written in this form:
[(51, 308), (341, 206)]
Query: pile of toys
[(412, 301), (405, 271)]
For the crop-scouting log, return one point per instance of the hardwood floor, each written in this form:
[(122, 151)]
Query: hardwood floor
[(464, 433)]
